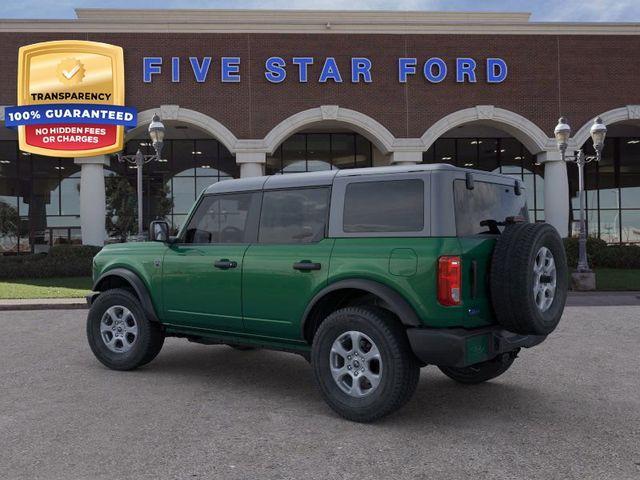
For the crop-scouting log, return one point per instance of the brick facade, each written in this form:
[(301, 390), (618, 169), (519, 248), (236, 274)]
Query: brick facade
[(574, 75)]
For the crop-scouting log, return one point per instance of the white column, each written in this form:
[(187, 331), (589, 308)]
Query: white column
[(405, 158), (556, 191), (251, 163), (92, 199)]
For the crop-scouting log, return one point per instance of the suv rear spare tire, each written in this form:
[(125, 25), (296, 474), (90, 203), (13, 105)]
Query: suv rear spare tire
[(529, 278)]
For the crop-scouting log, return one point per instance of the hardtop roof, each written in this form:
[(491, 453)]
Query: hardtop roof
[(326, 177)]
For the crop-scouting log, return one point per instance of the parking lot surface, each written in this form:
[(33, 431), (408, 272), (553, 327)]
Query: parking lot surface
[(569, 408)]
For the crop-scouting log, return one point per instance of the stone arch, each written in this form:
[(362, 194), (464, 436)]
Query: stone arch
[(629, 112), (373, 130), (180, 114), (527, 132)]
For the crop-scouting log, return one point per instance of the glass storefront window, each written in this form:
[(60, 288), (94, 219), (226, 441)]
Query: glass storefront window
[(487, 158), (511, 156), (182, 159), (307, 152), (343, 149), (45, 191), (204, 182), (445, 151), (318, 151), (8, 159), (610, 226), (184, 193), (70, 196), (467, 152), (630, 225), (293, 154), (364, 152)]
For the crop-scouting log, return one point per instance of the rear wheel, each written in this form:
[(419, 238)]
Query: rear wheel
[(363, 363), (480, 372), (119, 333)]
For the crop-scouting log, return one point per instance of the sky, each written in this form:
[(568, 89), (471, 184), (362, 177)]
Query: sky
[(542, 10)]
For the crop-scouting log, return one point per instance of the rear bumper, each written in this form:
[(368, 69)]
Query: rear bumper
[(458, 347)]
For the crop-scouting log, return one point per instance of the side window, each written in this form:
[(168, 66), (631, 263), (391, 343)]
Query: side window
[(225, 218), (294, 216), (487, 201), (384, 206)]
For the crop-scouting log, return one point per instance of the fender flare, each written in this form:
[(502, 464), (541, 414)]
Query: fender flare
[(138, 285), (396, 302)]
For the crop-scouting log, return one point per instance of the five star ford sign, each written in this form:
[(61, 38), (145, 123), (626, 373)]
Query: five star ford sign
[(71, 99)]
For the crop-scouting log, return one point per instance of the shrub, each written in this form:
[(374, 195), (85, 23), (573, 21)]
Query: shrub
[(61, 261), (601, 255)]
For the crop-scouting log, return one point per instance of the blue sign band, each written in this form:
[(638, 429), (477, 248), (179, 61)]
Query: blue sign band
[(70, 113)]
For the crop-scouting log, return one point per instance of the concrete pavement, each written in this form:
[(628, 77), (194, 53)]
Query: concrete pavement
[(569, 408)]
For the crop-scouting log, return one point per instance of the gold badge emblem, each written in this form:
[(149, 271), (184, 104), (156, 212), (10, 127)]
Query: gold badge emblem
[(70, 71), (86, 76)]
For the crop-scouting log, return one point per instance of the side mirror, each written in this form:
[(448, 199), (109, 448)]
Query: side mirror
[(159, 231)]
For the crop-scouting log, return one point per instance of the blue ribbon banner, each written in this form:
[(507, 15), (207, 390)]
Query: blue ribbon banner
[(70, 113)]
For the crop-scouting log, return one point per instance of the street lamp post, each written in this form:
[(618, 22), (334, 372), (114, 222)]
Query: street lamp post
[(562, 133), (156, 133)]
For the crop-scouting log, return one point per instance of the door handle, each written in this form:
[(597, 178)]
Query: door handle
[(225, 264), (305, 265)]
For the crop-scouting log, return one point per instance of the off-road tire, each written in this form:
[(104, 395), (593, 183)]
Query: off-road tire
[(480, 372), (400, 370), (149, 340), (512, 278)]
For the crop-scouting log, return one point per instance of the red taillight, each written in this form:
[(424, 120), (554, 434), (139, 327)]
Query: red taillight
[(449, 280)]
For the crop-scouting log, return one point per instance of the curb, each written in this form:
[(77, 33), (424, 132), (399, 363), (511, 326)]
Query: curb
[(574, 299), (43, 304)]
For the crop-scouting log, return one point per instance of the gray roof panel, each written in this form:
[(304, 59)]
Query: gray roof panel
[(238, 185), (326, 177), (292, 180)]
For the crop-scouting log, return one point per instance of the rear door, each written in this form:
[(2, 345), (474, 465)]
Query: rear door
[(202, 273), (290, 262)]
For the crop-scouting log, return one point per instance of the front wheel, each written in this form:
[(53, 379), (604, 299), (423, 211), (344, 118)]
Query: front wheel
[(480, 372), (119, 333), (363, 363)]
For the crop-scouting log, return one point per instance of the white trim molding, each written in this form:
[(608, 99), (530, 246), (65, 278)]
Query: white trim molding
[(192, 117), (531, 136), (363, 124), (312, 21), (622, 114)]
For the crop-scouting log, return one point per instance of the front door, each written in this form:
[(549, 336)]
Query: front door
[(289, 264), (202, 272)]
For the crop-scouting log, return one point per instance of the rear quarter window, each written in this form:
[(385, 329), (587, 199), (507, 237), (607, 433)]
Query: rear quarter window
[(384, 206), (487, 201)]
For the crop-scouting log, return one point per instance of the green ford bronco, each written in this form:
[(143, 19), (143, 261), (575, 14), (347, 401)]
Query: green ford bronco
[(370, 274)]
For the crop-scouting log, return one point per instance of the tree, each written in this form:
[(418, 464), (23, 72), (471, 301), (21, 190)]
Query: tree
[(9, 222), (122, 213), (162, 201), (122, 206)]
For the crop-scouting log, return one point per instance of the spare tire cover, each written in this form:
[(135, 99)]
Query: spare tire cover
[(529, 278)]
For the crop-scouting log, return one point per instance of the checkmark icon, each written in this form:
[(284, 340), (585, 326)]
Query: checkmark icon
[(71, 73)]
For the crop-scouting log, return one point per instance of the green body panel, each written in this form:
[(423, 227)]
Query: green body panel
[(263, 299), (477, 249), (274, 294), (138, 257), (196, 293), (390, 261)]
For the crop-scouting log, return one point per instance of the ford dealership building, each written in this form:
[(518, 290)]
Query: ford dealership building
[(245, 93)]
